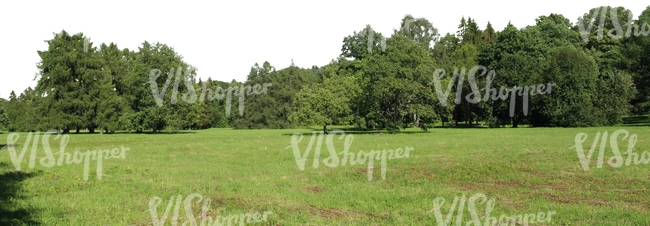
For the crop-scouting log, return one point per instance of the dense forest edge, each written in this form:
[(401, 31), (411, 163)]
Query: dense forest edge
[(591, 72)]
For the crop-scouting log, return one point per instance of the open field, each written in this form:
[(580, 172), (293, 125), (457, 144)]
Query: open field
[(526, 170)]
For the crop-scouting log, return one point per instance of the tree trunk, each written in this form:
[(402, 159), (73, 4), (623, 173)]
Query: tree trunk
[(456, 113), (66, 130), (325, 129), (469, 115), (416, 121), (471, 120), (91, 130), (77, 130)]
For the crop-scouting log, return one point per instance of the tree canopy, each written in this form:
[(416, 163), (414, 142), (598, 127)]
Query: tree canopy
[(594, 71)]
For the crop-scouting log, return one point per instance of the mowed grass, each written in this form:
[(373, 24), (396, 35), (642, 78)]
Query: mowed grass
[(526, 170)]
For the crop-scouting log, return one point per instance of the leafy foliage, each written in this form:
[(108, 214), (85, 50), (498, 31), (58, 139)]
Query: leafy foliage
[(599, 69)]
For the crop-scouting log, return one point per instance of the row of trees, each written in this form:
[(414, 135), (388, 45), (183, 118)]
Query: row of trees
[(599, 78), (378, 82)]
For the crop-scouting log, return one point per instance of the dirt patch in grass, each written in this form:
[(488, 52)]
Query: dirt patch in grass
[(438, 158), (365, 170), (508, 184), (558, 199), (421, 173), (490, 185), (596, 202), (575, 200), (376, 171), (314, 189), (333, 213)]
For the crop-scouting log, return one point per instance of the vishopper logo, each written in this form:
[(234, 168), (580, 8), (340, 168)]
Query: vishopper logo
[(371, 36), (204, 219), (617, 160), (475, 96), (191, 97), (643, 29), (347, 157), (86, 44), (50, 160), (504, 219)]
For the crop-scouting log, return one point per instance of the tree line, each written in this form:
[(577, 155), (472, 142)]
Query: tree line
[(599, 65)]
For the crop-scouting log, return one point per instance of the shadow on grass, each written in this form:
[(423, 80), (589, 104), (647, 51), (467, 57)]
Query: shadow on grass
[(634, 125), (123, 132), (164, 133), (636, 121), (363, 132), (137, 133), (10, 190), (344, 130), (354, 130), (461, 127)]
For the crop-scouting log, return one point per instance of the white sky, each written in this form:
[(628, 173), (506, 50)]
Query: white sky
[(223, 40)]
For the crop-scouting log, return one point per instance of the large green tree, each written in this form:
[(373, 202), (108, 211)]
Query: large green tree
[(419, 30), (325, 103), (68, 72), (395, 88), (572, 100), (637, 51)]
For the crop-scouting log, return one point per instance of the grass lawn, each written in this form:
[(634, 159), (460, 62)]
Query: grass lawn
[(525, 170)]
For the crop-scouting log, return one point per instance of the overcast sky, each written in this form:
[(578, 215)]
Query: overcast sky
[(223, 40)]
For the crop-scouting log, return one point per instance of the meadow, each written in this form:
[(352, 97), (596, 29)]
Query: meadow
[(525, 170)]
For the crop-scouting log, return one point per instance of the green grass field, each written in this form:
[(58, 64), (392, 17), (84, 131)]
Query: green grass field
[(525, 170)]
